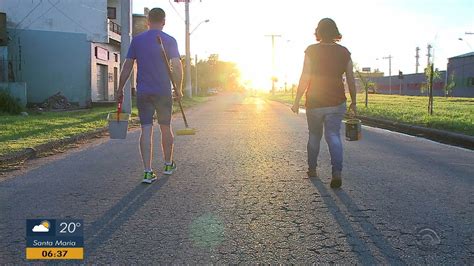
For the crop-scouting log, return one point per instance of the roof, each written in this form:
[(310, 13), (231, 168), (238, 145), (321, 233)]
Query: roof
[(463, 55)]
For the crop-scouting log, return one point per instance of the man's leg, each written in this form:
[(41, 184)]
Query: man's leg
[(164, 106), (146, 110), (167, 142), (146, 143)]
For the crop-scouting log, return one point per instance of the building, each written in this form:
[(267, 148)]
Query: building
[(67, 46), (461, 72), (411, 84)]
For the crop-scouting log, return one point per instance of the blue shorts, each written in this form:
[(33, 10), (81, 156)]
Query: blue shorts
[(147, 104)]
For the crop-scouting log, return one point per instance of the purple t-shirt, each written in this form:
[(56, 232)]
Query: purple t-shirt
[(152, 76)]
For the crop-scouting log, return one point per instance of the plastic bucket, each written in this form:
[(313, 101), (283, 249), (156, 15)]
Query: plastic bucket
[(353, 129), (118, 128)]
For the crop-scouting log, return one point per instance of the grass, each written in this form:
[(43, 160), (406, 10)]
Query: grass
[(451, 114), (19, 132)]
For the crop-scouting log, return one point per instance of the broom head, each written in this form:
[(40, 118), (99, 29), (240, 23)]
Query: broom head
[(186, 131)]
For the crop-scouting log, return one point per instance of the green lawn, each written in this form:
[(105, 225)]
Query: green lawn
[(452, 114), (19, 132)]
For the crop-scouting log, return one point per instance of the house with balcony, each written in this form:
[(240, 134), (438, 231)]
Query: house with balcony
[(67, 46)]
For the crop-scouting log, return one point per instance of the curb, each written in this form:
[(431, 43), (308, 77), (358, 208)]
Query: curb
[(438, 135), (33, 152), (30, 153)]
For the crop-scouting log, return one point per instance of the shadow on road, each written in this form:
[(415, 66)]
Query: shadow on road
[(104, 227), (359, 245)]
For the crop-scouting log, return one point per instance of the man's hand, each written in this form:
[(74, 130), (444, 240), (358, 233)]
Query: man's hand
[(178, 95), (295, 108), (119, 95), (353, 108)]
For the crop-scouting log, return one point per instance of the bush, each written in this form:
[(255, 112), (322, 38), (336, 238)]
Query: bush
[(8, 104)]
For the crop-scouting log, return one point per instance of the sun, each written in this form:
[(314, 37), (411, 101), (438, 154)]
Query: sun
[(45, 224)]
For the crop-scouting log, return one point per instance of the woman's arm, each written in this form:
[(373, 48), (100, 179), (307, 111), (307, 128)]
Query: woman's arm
[(303, 84), (351, 84)]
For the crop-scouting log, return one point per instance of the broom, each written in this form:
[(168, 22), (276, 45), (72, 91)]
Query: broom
[(187, 130)]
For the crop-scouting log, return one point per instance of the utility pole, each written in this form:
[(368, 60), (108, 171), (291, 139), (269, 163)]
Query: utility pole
[(126, 36), (188, 89), (196, 70), (430, 66), (273, 60), (429, 54), (417, 56), (389, 57)]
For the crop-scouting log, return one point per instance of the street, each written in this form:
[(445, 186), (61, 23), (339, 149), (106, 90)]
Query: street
[(240, 196)]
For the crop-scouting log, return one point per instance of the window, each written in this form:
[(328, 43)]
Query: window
[(470, 81), (111, 12)]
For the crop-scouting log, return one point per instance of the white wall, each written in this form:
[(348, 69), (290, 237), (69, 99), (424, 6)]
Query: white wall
[(116, 4), (75, 16), (113, 49)]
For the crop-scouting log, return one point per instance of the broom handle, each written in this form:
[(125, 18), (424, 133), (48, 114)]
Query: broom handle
[(119, 108), (168, 68)]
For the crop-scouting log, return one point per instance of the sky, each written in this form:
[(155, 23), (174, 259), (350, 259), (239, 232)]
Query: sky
[(371, 30)]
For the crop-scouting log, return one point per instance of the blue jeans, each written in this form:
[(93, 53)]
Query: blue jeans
[(330, 119)]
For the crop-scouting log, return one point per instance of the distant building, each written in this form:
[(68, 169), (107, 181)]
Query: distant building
[(411, 84), (461, 71), (67, 46)]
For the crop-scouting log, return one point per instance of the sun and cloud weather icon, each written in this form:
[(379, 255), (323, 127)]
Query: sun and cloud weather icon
[(43, 227)]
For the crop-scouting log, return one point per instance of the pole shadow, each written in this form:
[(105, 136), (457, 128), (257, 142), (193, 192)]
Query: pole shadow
[(359, 246), (105, 226)]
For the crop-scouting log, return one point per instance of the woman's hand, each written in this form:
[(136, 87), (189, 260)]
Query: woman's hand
[(353, 108), (295, 108)]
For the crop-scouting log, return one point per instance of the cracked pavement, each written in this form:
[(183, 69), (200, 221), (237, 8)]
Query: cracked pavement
[(239, 196)]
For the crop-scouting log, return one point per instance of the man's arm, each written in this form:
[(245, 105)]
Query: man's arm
[(124, 75), (352, 89), (303, 84), (177, 72)]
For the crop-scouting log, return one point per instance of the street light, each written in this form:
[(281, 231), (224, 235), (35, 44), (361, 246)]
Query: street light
[(389, 57), (195, 28), (461, 39), (195, 63)]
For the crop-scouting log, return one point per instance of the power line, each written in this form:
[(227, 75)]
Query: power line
[(31, 11), (67, 16), (176, 11)]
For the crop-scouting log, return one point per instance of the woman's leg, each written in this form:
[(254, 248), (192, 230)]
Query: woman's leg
[(315, 127), (332, 129)]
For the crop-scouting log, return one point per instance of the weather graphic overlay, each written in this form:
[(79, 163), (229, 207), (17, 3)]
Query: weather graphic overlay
[(54, 239)]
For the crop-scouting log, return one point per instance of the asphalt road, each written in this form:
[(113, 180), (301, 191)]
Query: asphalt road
[(239, 196)]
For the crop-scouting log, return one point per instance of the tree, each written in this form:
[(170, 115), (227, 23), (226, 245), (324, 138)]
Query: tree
[(365, 82), (449, 87), (366, 85), (431, 75), (426, 85), (213, 73)]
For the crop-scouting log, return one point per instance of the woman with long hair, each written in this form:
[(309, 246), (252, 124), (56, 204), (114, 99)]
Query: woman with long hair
[(325, 63)]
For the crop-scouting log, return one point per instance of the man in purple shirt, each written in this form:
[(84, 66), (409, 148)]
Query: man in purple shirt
[(154, 92)]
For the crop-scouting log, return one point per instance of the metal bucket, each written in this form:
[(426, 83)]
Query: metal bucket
[(118, 127), (353, 129)]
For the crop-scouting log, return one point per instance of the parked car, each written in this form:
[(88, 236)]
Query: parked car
[(212, 91)]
